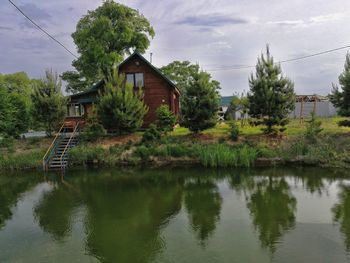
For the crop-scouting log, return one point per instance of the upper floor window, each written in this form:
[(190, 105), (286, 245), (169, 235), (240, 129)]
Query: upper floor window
[(136, 79)]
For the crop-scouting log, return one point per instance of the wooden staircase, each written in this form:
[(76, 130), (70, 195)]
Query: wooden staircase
[(66, 138)]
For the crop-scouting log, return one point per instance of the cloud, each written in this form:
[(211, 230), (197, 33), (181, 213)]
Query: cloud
[(326, 18), (212, 20), (287, 22), (36, 13)]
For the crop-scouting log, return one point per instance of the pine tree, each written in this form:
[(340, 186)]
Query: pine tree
[(200, 103), (271, 95), (165, 119), (49, 105), (341, 97), (120, 108)]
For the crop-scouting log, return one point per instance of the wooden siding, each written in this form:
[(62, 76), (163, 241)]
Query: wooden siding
[(157, 90)]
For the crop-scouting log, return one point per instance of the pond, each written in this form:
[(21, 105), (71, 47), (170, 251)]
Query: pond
[(176, 215)]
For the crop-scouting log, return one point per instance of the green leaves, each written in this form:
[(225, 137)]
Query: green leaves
[(49, 105), (120, 108), (271, 95), (103, 37), (340, 97), (200, 103)]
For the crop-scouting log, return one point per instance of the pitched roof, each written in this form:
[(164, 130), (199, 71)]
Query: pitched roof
[(96, 86), (225, 101)]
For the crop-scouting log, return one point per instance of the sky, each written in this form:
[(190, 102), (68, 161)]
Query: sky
[(216, 34)]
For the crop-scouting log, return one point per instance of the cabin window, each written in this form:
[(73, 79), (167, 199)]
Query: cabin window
[(139, 79), (75, 110), (130, 79), (135, 79)]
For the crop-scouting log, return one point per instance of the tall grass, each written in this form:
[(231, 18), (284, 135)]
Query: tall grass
[(21, 161), (222, 155)]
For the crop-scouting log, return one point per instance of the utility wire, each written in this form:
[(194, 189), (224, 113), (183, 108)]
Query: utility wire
[(43, 30), (282, 61), (236, 67)]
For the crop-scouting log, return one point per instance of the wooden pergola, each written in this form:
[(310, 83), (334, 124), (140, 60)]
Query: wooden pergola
[(309, 98)]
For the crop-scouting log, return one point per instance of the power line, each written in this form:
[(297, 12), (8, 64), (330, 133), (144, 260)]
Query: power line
[(43, 30), (235, 67)]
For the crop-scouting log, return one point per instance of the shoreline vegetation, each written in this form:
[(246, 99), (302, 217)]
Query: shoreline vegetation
[(212, 148)]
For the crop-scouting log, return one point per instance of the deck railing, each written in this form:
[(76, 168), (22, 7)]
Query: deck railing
[(63, 155), (47, 155)]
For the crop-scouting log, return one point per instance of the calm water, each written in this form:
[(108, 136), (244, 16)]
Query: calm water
[(176, 215)]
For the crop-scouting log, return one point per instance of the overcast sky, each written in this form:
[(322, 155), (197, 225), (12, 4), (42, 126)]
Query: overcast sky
[(216, 34)]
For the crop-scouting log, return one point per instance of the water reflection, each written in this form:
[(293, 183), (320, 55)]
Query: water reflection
[(341, 213), (203, 204), (272, 208), (11, 188), (131, 215)]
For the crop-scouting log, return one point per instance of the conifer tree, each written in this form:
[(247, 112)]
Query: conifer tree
[(341, 97), (120, 108), (200, 103), (271, 95)]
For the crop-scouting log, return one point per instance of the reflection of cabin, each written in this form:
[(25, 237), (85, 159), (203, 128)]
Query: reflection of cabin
[(306, 104), (157, 88)]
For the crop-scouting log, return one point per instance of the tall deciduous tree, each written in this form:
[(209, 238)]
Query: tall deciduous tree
[(49, 105), (200, 103), (120, 108), (103, 37), (341, 97), (181, 72), (271, 95)]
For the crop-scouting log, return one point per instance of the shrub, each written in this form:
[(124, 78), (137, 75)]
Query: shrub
[(151, 134), (120, 108), (234, 131), (165, 119), (93, 130), (313, 128), (82, 154), (345, 123)]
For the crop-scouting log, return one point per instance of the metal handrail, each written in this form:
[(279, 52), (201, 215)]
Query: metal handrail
[(68, 143), (52, 144)]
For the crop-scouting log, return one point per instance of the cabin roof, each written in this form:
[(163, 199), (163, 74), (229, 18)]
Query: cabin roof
[(85, 96)]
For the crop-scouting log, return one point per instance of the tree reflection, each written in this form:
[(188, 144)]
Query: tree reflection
[(272, 208), (11, 188), (124, 220), (203, 203), (341, 213), (54, 211)]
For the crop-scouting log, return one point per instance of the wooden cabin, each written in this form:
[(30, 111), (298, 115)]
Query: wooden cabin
[(158, 90)]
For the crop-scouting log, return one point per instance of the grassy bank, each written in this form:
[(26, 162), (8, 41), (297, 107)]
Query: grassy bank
[(212, 149)]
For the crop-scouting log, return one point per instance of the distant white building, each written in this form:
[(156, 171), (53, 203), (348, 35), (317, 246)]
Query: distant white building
[(304, 105)]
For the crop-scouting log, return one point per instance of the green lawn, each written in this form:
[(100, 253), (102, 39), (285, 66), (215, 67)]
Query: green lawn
[(294, 128)]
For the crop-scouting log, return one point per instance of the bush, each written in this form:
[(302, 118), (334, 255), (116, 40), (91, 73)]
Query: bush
[(92, 131), (83, 154), (151, 134), (165, 119), (345, 123), (313, 128), (234, 131)]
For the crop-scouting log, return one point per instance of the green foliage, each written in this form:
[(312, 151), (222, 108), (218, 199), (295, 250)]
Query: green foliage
[(341, 97), (165, 119), (15, 103), (27, 160), (232, 108), (271, 95), (93, 130), (49, 105), (181, 72), (223, 155), (82, 154), (313, 128), (151, 134), (120, 108), (103, 37), (200, 103), (344, 123), (234, 131)]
